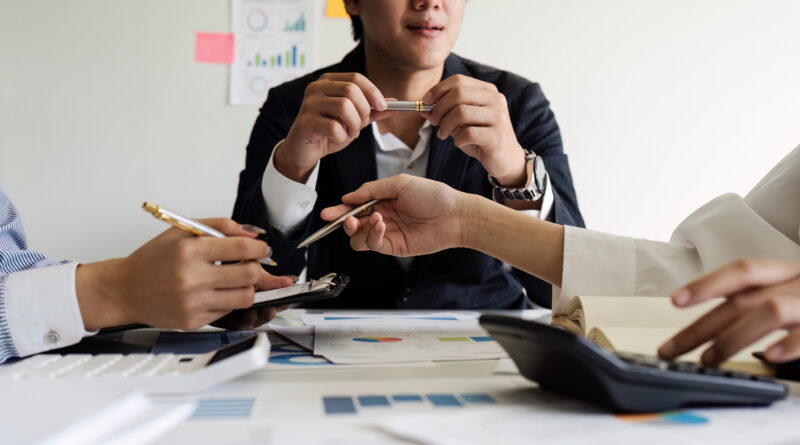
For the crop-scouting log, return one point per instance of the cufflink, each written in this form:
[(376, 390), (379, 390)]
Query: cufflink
[(52, 337)]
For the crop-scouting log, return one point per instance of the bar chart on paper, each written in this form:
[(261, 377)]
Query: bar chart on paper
[(298, 25), (274, 44), (334, 405), (289, 58)]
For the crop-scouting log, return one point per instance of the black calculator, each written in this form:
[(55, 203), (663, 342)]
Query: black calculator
[(562, 362)]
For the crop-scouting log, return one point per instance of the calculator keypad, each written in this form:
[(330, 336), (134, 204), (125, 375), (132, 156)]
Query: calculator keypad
[(101, 365), (679, 366)]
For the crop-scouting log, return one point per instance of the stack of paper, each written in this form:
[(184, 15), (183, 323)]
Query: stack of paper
[(86, 412), (398, 337), (560, 423)]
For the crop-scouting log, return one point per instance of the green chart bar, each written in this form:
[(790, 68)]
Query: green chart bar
[(302, 60), (272, 61), (258, 59)]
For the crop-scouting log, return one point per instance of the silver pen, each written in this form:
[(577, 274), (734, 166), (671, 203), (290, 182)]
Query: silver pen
[(191, 226), (407, 105), (338, 223)]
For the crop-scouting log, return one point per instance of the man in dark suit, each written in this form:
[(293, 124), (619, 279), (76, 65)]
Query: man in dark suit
[(318, 137)]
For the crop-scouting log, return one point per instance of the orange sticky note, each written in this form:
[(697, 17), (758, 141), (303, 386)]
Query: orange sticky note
[(210, 47), (335, 9)]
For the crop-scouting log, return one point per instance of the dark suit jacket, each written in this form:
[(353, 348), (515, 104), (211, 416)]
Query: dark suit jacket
[(453, 279)]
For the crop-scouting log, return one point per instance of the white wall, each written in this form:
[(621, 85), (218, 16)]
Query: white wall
[(663, 104)]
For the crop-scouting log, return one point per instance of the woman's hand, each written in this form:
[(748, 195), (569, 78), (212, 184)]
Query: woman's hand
[(762, 296), (418, 216)]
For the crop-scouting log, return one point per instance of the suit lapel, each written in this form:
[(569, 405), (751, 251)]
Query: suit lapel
[(356, 162), (447, 162)]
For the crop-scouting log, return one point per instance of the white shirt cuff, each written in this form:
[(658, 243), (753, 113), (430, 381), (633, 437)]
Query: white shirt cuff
[(42, 309), (288, 202), (595, 263)]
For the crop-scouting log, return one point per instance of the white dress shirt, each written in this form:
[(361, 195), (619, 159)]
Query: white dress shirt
[(42, 309), (38, 302), (763, 224), (289, 203)]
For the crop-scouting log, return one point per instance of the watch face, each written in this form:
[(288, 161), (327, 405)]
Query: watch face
[(539, 172)]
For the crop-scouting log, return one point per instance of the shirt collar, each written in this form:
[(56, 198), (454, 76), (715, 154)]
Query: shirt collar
[(390, 142)]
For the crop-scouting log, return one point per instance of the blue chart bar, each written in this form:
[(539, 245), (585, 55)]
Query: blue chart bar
[(373, 401), (443, 400), (223, 408), (279, 60), (350, 405), (339, 405), (406, 398), (479, 339), (477, 398), (294, 55)]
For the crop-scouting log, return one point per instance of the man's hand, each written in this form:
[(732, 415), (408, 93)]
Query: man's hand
[(334, 110), (419, 216), (476, 115), (253, 318), (172, 281), (762, 296)]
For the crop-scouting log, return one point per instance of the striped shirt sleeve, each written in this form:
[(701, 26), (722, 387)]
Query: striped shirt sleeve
[(37, 295), (7, 348)]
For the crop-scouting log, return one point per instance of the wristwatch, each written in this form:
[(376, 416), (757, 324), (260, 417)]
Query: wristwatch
[(535, 185)]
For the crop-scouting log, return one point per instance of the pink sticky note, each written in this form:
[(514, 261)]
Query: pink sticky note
[(210, 47)]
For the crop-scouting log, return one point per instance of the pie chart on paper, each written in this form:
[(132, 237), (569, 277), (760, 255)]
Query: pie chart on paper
[(377, 339)]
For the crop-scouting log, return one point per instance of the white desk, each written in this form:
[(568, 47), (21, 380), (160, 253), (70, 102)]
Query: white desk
[(457, 402)]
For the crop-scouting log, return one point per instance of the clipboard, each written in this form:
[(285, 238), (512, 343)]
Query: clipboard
[(328, 286)]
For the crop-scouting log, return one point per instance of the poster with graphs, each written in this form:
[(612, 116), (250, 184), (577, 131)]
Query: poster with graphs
[(274, 44)]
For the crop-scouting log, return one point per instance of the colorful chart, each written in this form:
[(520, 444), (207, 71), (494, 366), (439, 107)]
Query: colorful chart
[(378, 339), (298, 25), (273, 44), (256, 20), (289, 58), (457, 339), (287, 347), (259, 85), (452, 339), (671, 417), (351, 404), (301, 359)]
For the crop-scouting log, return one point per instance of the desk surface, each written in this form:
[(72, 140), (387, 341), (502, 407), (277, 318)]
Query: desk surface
[(458, 402)]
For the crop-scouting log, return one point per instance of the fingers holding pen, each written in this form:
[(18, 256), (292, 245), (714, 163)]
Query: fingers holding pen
[(368, 89), (366, 233), (343, 111)]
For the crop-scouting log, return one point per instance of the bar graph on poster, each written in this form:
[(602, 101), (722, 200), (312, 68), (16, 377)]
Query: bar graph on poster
[(274, 44)]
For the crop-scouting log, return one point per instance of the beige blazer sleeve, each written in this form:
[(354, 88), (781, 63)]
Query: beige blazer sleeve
[(763, 224)]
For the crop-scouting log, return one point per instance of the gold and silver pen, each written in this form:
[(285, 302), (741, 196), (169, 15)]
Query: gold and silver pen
[(407, 105), (332, 226), (191, 226)]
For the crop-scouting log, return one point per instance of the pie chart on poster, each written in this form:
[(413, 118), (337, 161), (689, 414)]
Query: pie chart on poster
[(377, 339), (302, 359)]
